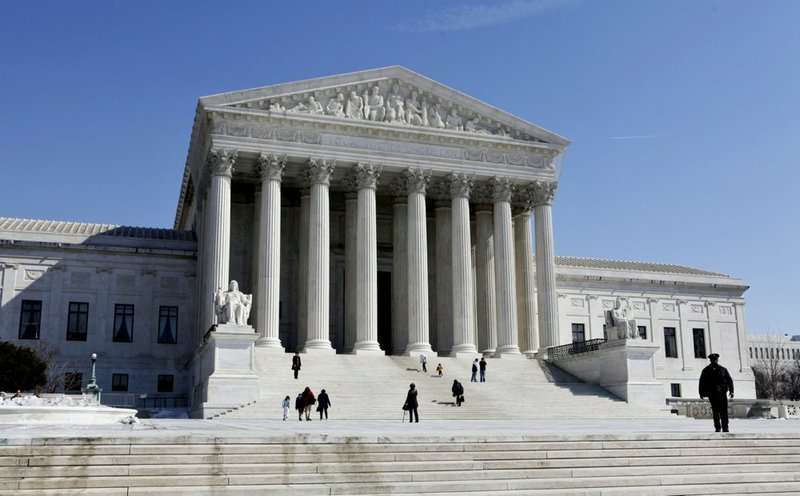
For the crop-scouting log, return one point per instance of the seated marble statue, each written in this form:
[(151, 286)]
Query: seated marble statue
[(619, 322), (232, 306)]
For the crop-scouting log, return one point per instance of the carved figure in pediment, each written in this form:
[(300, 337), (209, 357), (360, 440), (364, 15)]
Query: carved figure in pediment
[(232, 306), (276, 107), (454, 121), (374, 109), (394, 106), (335, 106), (471, 126), (436, 117), (354, 108), (310, 106), (416, 114)]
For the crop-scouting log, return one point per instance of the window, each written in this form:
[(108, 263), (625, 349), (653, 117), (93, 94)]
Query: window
[(30, 319), (751, 353), (73, 381), (675, 390), (123, 323), (699, 336), (605, 332), (167, 325), (670, 344), (165, 383), (77, 321), (642, 331), (578, 333), (119, 382)]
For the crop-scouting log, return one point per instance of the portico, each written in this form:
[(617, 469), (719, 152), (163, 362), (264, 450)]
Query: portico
[(307, 206)]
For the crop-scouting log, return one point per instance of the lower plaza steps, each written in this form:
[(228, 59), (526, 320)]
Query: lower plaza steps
[(375, 387)]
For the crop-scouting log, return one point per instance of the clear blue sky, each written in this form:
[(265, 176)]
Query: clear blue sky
[(684, 115)]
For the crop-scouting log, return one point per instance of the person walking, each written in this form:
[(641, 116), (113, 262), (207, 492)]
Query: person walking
[(323, 402), (715, 382), (286, 404), (296, 363), (482, 366), (440, 369), (299, 405), (474, 377), (412, 404), (308, 401), (423, 360), (458, 392)]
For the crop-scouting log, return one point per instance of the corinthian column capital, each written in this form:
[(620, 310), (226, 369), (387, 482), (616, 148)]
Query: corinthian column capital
[(459, 184), (416, 180), (365, 175), (271, 166), (542, 192), (502, 188), (319, 171), (220, 162)]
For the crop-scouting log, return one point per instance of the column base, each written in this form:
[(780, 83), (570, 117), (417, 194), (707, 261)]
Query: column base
[(508, 352), (269, 343), (367, 348), (464, 351), (416, 349), (319, 347), (530, 353), (489, 352)]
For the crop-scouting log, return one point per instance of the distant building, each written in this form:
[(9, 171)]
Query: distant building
[(766, 347), (368, 213)]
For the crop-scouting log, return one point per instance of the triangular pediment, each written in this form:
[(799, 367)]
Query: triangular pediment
[(392, 96)]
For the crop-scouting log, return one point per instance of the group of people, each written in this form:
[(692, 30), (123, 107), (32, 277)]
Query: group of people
[(305, 401)]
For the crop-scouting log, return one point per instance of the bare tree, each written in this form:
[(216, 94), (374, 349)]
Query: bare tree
[(792, 382), (770, 370), (60, 370)]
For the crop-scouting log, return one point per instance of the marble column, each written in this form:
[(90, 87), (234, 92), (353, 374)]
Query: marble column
[(486, 308), (463, 320), (418, 330), (218, 216), (302, 270), (504, 269), (350, 260), (443, 297), (547, 299), (270, 168), (526, 282), (318, 288), (366, 178), (399, 268)]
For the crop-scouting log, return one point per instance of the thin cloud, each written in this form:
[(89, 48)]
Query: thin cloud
[(481, 15), (640, 136)]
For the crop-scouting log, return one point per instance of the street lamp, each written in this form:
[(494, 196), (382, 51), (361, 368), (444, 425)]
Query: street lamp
[(92, 391)]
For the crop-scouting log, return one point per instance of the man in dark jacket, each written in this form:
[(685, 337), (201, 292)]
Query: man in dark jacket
[(296, 363), (715, 382), (411, 404), (458, 392), (323, 402)]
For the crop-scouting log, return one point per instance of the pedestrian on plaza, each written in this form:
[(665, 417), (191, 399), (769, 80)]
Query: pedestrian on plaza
[(458, 392), (423, 360), (715, 382), (411, 404), (296, 364), (308, 401), (482, 365), (474, 377), (323, 402), (439, 369), (299, 405), (286, 404)]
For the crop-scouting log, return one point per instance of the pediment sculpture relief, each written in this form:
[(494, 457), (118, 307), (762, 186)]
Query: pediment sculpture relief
[(391, 103)]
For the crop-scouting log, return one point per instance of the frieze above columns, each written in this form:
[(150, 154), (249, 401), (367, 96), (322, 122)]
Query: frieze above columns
[(271, 166), (542, 192), (221, 161), (319, 171)]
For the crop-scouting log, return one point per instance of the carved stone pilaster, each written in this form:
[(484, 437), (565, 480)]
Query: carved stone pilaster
[(271, 166), (542, 192), (220, 162), (417, 180), (319, 171), (459, 184), (502, 188), (365, 175)]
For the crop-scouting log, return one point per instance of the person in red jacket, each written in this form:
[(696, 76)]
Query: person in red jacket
[(308, 401)]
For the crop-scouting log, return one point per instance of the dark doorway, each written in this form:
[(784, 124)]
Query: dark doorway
[(385, 311)]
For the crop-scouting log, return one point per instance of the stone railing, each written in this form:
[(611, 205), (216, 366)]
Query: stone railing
[(737, 408)]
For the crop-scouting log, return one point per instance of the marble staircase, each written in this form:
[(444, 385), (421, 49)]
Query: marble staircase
[(375, 387)]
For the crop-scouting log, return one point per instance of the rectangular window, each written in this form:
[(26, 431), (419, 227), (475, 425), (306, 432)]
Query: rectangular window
[(670, 344), (699, 336), (119, 382), (675, 390), (73, 381), (605, 332), (77, 321), (168, 325), (165, 383), (123, 323), (578, 333), (642, 331), (30, 319)]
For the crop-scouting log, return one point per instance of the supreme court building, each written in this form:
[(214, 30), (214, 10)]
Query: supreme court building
[(377, 212)]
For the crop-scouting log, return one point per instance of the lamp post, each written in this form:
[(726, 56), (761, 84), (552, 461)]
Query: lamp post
[(92, 391)]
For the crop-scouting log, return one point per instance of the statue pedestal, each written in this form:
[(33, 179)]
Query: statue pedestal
[(624, 367), (223, 371)]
